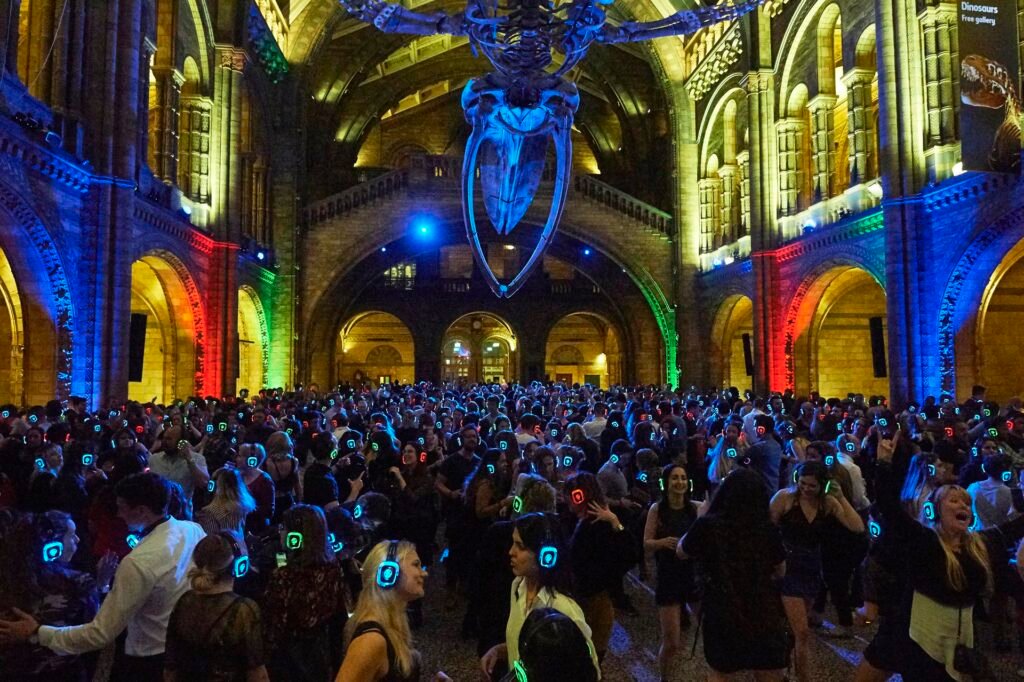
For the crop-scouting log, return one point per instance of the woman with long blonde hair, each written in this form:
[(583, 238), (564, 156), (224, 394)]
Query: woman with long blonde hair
[(377, 636), (230, 504), (943, 565)]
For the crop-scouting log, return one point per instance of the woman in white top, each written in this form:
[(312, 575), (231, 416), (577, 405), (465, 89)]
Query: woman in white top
[(540, 564)]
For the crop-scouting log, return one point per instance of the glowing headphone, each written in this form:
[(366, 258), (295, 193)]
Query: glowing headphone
[(97, 428), (932, 470), (240, 562), (490, 469), (554, 433), (1007, 476), (357, 512), (850, 446), (88, 459), (993, 432), (209, 428), (33, 418), (132, 540), (503, 444), (948, 431), (423, 457), (334, 454), (760, 430), (874, 530), (40, 464), (211, 486), (731, 453), (52, 550), (438, 425), (223, 426), (830, 460), (642, 477), (421, 440), (614, 459), (882, 421), (577, 496), (350, 443), (517, 504), (293, 540), (388, 571), (548, 556), (928, 509), (336, 545), (567, 461)]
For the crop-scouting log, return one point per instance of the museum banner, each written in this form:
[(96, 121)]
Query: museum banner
[(989, 86)]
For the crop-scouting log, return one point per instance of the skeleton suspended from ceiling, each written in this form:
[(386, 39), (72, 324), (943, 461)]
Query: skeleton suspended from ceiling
[(527, 100)]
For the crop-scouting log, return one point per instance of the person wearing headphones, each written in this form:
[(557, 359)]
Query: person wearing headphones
[(552, 649), (945, 568), (213, 633), (801, 512), (540, 563), (377, 637)]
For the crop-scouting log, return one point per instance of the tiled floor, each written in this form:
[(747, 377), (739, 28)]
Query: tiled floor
[(634, 647)]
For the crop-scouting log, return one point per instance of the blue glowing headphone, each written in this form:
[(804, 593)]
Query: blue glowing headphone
[(211, 486), (642, 477), (830, 460), (388, 571), (88, 459), (874, 530), (240, 562), (850, 446), (336, 545), (357, 511), (548, 555), (40, 464), (52, 549), (1007, 476), (731, 453)]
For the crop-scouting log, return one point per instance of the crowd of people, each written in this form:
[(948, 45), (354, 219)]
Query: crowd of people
[(288, 536)]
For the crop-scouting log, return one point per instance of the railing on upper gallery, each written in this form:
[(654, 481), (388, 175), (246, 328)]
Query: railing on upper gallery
[(447, 170)]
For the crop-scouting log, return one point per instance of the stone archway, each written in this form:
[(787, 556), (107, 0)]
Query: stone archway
[(375, 346), (167, 320), (585, 347), (253, 342), (829, 339), (731, 333)]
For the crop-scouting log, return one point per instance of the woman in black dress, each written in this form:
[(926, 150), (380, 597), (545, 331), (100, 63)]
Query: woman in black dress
[(667, 521), (741, 556)]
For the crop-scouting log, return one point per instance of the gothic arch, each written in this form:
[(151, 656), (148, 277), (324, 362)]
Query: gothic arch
[(801, 308), (966, 290), (44, 291)]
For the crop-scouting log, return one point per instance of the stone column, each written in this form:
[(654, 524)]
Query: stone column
[(689, 357), (743, 160), (822, 129), (863, 165), (764, 230), (913, 338), (710, 190), (941, 78), (790, 133), (730, 203), (164, 121), (226, 218)]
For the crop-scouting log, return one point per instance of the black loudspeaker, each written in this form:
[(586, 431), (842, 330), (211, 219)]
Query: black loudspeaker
[(748, 355), (136, 346), (878, 347)]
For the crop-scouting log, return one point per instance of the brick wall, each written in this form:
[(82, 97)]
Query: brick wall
[(844, 343)]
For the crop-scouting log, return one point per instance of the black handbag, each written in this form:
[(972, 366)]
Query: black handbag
[(969, 660)]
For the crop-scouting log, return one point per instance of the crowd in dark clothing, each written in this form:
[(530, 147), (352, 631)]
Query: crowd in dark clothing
[(747, 515)]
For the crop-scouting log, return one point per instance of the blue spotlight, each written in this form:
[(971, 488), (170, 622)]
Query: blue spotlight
[(422, 226), (587, 251)]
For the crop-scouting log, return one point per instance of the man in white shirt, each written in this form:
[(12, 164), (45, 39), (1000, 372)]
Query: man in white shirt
[(146, 587), (178, 462), (847, 448), (596, 424)]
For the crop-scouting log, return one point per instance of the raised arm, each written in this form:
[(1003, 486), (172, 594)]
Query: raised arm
[(390, 17), (684, 22)]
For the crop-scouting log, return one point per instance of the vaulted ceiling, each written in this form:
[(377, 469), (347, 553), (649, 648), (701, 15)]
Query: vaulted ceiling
[(352, 75)]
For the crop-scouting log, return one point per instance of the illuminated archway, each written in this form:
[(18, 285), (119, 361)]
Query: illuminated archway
[(252, 342), (733, 322), (841, 345), (163, 362), (584, 348), (376, 347), (996, 362), (479, 347), (12, 337)]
